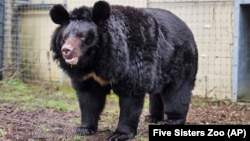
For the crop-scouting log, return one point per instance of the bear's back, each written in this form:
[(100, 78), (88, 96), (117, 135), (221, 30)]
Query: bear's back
[(139, 21), (171, 25)]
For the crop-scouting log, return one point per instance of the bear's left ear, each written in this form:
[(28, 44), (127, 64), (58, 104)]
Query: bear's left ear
[(100, 12), (59, 14)]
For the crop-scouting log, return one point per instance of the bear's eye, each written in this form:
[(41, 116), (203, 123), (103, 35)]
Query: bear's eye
[(81, 35), (65, 37)]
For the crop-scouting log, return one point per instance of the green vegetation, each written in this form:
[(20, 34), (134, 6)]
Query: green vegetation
[(1, 133), (30, 97), (244, 97)]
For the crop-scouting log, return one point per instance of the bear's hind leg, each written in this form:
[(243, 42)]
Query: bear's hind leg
[(176, 104), (155, 109), (130, 110)]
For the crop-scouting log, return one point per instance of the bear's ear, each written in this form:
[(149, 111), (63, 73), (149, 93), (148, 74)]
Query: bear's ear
[(59, 14), (100, 12)]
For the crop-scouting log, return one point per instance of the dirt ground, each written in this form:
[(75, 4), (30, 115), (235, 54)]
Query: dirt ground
[(48, 124), (52, 125)]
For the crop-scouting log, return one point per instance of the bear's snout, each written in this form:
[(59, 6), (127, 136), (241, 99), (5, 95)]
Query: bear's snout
[(71, 51), (66, 51)]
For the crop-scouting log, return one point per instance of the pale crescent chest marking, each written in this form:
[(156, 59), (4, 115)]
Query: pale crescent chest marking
[(98, 79)]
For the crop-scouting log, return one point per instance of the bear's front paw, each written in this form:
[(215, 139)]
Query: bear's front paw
[(81, 131), (119, 136)]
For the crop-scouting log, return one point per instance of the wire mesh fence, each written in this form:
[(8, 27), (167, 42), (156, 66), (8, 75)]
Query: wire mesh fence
[(28, 28)]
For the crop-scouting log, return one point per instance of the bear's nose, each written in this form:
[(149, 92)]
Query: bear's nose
[(66, 50)]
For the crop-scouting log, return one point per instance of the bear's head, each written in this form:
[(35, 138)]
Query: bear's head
[(78, 34)]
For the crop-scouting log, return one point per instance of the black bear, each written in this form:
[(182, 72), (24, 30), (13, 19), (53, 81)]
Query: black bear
[(133, 51)]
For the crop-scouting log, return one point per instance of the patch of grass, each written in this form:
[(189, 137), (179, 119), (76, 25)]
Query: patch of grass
[(141, 138), (1, 133), (196, 100), (77, 138), (211, 101), (74, 138), (11, 89), (114, 97), (75, 120), (30, 96), (60, 105), (244, 97), (44, 129)]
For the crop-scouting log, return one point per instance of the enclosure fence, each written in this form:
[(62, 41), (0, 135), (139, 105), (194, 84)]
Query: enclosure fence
[(27, 29)]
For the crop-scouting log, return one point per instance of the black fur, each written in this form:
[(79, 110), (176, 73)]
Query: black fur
[(138, 51)]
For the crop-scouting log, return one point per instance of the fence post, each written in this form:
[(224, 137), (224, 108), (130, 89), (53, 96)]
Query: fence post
[(1, 36)]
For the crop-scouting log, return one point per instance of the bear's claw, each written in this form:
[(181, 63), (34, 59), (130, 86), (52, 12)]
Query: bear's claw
[(84, 131)]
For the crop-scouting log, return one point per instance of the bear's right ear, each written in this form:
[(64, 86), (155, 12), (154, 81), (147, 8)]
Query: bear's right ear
[(100, 11), (59, 14)]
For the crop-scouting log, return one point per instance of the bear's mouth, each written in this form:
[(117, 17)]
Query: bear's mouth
[(71, 61)]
